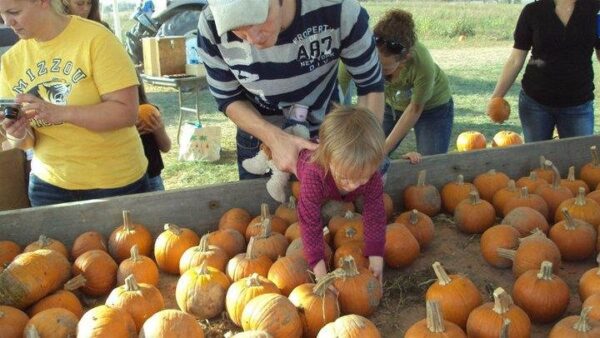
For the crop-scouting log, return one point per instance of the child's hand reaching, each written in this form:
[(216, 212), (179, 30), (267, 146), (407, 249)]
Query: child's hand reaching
[(154, 124), (376, 267), (413, 157), (320, 270)]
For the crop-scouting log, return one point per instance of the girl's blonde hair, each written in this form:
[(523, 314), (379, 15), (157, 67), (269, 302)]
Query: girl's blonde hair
[(352, 137)]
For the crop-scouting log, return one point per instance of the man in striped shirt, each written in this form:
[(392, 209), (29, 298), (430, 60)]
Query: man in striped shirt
[(264, 56)]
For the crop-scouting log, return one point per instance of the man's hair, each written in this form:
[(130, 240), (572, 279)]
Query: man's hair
[(352, 137), (396, 25)]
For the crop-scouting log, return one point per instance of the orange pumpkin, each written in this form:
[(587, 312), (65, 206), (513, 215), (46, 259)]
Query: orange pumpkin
[(593, 302), (590, 172), (54, 322), (401, 248), (532, 182), (580, 207), (145, 113), (350, 326), (498, 109), (127, 235), (573, 184), (525, 199), (349, 233), (8, 251), (65, 299), (99, 271), (170, 246), (12, 321), (423, 197), (589, 283), (470, 140), (245, 264), (268, 243), (143, 268), (347, 218), (242, 291), (359, 291), (474, 215), (454, 192), (526, 219), (576, 326), (487, 320), (499, 236), (532, 251), (171, 324), (354, 249), (293, 232), (297, 248), (434, 325), (505, 138), (287, 211), (194, 256), (576, 239), (48, 243), (289, 272), (554, 194), (201, 291), (229, 240), (91, 240), (274, 314), (504, 195), (104, 322), (255, 227), (489, 183), (236, 219), (544, 172), (419, 224)]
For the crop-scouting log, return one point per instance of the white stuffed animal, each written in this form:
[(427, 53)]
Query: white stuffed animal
[(262, 164)]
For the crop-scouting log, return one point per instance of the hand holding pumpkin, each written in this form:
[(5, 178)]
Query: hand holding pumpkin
[(498, 109)]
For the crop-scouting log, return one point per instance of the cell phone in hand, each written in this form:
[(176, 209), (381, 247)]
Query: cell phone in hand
[(9, 108)]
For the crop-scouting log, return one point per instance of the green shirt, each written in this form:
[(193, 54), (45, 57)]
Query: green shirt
[(420, 80)]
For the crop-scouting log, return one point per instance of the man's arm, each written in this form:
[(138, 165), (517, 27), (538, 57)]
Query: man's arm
[(375, 102)]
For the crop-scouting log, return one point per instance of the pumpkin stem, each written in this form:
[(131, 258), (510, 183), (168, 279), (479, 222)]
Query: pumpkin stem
[(545, 271), (135, 253), (44, 241), (203, 245), (505, 327), (421, 178), (502, 301), (460, 179), (506, 253), (320, 289), (582, 324), (533, 176), (131, 284), (524, 193), (414, 216), (253, 280), (266, 228), (474, 197), (511, 186), (569, 221), (595, 157), (542, 162), (349, 214), (555, 176), (349, 266), (127, 220), (325, 231), (264, 211), (75, 283), (580, 199), (250, 248), (435, 319), (492, 172), (292, 203), (173, 228), (571, 174), (203, 268), (440, 272), (32, 332)]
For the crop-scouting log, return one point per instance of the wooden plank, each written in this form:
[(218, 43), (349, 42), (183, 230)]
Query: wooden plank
[(200, 208)]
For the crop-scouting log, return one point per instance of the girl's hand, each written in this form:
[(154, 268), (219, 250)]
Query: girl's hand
[(413, 157), (155, 123), (320, 270), (376, 267)]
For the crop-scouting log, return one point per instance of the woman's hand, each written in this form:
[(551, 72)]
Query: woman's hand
[(376, 267), (15, 128), (42, 110)]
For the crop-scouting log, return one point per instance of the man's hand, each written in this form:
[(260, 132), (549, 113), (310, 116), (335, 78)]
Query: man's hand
[(285, 150), (376, 267)]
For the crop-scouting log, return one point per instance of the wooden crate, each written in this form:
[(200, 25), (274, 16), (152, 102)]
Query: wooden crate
[(164, 55)]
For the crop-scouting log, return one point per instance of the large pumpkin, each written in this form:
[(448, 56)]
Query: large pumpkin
[(289, 272), (576, 239), (470, 140), (201, 291), (401, 247), (420, 225), (171, 324), (532, 251), (244, 290), (359, 291), (350, 326), (274, 314), (56, 323), (106, 322), (474, 215)]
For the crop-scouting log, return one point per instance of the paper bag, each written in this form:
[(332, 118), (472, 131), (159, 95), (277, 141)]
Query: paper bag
[(199, 143)]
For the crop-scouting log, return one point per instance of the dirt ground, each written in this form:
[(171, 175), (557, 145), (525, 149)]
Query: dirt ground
[(403, 302)]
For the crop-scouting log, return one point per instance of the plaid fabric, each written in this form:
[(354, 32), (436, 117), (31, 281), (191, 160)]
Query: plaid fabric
[(316, 188)]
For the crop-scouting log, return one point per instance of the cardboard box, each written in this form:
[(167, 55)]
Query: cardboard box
[(164, 55)]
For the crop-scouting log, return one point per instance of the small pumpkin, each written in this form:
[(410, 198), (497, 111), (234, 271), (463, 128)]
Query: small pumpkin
[(170, 246), (576, 239), (526, 220), (106, 322), (573, 184), (91, 240), (8, 251), (347, 218), (434, 325), (505, 138), (127, 235), (354, 249), (349, 233), (590, 172), (48, 243), (146, 112), (554, 194), (593, 302), (580, 207), (245, 264), (297, 248), (423, 197), (171, 324), (470, 140), (56, 323), (229, 240), (359, 292), (255, 227), (99, 270), (212, 254), (287, 211), (474, 215), (401, 248), (504, 195), (293, 232), (242, 291), (489, 183), (350, 326), (12, 321), (499, 236), (532, 182), (274, 314), (141, 267), (498, 109), (333, 208), (532, 251), (269, 243), (388, 205), (589, 283), (64, 298), (201, 291), (236, 219), (454, 192), (289, 272), (419, 224), (525, 199), (457, 295), (544, 171), (576, 326), (295, 188), (541, 294)]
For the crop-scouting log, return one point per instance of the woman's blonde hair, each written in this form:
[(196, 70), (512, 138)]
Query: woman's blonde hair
[(58, 6), (352, 137)]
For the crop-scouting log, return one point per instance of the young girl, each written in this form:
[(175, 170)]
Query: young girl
[(344, 167)]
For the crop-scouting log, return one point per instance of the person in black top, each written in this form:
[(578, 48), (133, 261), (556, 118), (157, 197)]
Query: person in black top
[(557, 87)]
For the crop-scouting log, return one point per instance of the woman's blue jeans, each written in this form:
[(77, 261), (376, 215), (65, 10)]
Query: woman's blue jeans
[(538, 121)]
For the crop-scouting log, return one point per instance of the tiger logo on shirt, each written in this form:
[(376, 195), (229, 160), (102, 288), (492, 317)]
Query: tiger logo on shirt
[(55, 91)]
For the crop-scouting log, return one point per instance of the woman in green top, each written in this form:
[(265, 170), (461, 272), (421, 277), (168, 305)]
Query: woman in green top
[(417, 93)]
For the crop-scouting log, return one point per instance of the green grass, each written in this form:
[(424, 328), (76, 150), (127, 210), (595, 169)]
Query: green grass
[(473, 67)]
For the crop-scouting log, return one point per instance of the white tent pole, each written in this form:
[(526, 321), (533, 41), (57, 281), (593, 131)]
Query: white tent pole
[(116, 20)]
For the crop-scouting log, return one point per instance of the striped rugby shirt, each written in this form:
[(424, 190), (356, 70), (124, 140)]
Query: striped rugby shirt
[(301, 67)]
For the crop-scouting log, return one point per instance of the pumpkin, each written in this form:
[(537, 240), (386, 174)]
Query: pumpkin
[(248, 334), (287, 211), (289, 272), (213, 255), (595, 195), (274, 314), (348, 218), (590, 172), (573, 184), (498, 109), (470, 140), (99, 270), (244, 264), (349, 233), (106, 322), (350, 326), (242, 291), (236, 219), (91, 240), (434, 325), (201, 291), (532, 182), (420, 225), (170, 246), (454, 192), (593, 302), (268, 243), (576, 239), (141, 267), (401, 248), (317, 305), (48, 243), (145, 113), (589, 283), (457, 295), (64, 298), (423, 197), (505, 138), (229, 240), (293, 232), (554, 194), (525, 199), (580, 207), (139, 300), (31, 276), (255, 227), (359, 292), (532, 251), (544, 171), (354, 249), (541, 294), (127, 235), (171, 324), (489, 183), (487, 320), (474, 215), (576, 326), (526, 220), (388, 205), (499, 236), (297, 248), (8, 251), (12, 322), (333, 208), (56, 323), (504, 195), (295, 188)]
